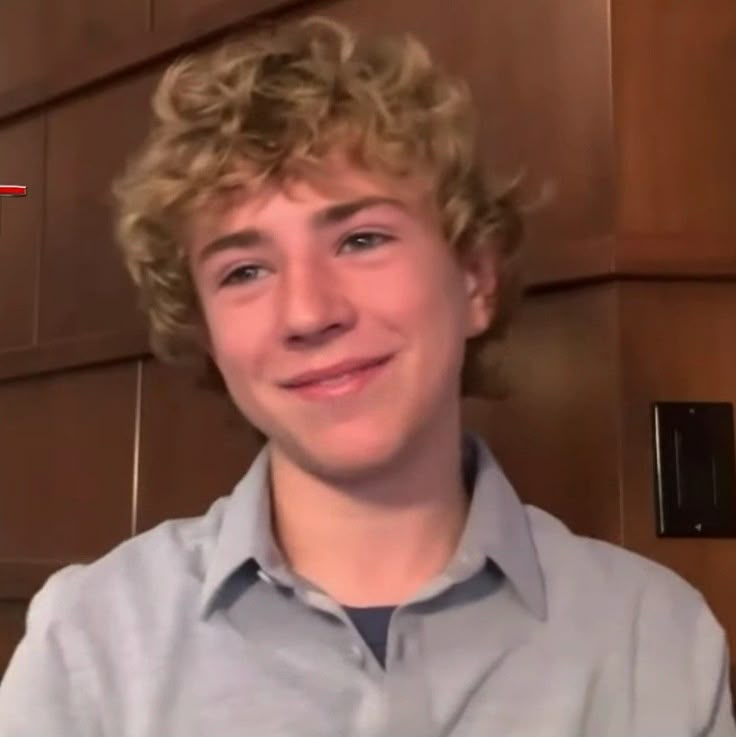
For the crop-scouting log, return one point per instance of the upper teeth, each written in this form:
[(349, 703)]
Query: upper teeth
[(336, 379)]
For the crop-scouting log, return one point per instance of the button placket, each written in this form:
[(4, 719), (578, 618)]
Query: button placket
[(410, 713), (401, 639), (356, 652), (405, 647)]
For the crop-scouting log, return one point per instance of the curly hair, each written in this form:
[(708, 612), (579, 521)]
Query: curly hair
[(276, 104)]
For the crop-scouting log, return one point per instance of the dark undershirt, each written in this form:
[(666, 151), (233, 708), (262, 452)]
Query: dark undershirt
[(372, 622)]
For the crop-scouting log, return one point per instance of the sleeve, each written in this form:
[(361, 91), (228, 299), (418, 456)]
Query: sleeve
[(43, 689), (712, 678)]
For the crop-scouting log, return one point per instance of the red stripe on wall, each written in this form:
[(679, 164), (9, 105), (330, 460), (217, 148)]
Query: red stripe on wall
[(12, 190)]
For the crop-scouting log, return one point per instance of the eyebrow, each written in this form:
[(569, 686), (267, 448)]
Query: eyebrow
[(332, 215), (335, 214)]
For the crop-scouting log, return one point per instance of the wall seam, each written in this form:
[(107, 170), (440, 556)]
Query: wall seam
[(43, 228)]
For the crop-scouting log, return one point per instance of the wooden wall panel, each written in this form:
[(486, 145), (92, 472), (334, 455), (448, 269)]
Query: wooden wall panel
[(674, 76), (12, 626), (84, 288), (209, 14), (679, 343), (556, 432), (22, 55), (166, 12), (99, 40), (194, 446), (21, 226), (21, 579), (75, 28), (66, 463)]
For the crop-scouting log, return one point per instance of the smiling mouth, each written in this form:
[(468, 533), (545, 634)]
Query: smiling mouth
[(349, 382)]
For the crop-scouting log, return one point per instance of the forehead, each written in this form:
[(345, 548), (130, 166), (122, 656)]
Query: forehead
[(306, 193)]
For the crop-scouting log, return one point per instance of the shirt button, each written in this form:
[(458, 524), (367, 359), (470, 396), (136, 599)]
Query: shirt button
[(471, 558), (470, 561), (400, 647), (357, 656), (405, 647), (264, 576)]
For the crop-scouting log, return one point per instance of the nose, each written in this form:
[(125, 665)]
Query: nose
[(314, 305)]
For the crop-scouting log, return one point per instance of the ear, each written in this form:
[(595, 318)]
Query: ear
[(480, 276)]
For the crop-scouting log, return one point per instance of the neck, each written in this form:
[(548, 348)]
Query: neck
[(374, 540)]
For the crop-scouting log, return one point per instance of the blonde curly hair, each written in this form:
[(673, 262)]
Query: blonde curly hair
[(254, 111)]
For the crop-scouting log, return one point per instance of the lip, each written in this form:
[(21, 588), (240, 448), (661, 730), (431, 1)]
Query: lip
[(343, 386), (310, 378)]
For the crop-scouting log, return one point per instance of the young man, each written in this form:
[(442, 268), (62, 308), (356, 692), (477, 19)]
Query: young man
[(308, 217)]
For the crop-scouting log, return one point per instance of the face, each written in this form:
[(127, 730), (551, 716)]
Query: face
[(355, 279)]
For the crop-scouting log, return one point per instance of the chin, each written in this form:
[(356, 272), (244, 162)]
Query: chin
[(345, 450)]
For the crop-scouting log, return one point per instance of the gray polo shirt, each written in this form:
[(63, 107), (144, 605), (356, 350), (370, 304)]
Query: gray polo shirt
[(197, 628)]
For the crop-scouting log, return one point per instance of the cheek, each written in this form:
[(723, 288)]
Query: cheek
[(438, 296), (236, 340), (432, 307)]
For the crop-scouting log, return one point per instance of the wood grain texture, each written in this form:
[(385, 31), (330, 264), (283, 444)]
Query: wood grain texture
[(679, 344), (73, 353), (74, 29), (168, 12), (556, 433), (618, 257), (46, 80), (66, 464), (20, 579), (194, 446), (12, 627), (22, 56), (21, 227), (208, 13), (674, 72), (680, 255), (84, 288)]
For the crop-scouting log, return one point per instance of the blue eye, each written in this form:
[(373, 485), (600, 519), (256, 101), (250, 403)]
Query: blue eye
[(366, 240), (241, 274)]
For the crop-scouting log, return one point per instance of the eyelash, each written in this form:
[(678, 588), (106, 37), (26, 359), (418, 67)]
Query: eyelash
[(234, 276), (382, 237)]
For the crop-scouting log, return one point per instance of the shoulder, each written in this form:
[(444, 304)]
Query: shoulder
[(637, 613), (574, 565), (138, 577), (93, 631), (629, 601)]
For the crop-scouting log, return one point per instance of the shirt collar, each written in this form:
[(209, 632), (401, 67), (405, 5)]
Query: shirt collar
[(497, 527), (245, 532)]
